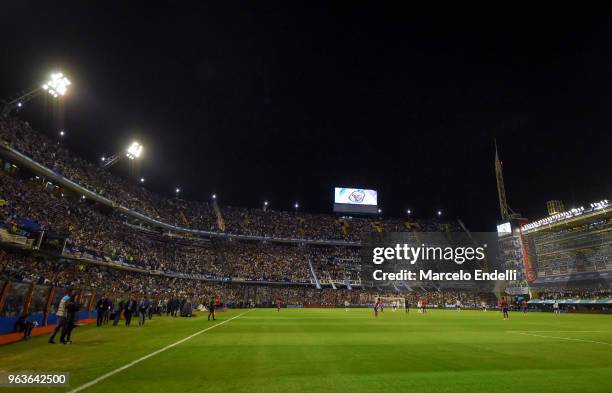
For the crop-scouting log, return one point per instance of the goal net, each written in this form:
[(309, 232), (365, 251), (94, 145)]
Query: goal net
[(389, 301)]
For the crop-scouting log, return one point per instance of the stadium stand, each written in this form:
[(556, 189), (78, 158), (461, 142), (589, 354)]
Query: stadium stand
[(66, 223)]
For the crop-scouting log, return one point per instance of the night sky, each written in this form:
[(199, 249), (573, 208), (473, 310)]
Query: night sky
[(283, 102)]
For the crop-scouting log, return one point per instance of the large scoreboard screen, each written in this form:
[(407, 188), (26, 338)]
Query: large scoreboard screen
[(355, 200)]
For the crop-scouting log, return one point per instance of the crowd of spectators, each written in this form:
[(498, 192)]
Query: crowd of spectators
[(336, 263), (93, 230), (591, 292), (20, 136), (256, 260), (89, 228), (580, 249), (23, 267), (196, 215), (100, 232), (112, 282)]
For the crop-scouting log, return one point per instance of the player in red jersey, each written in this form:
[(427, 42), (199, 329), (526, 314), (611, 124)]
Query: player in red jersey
[(377, 305), (424, 305), (503, 304), (278, 304)]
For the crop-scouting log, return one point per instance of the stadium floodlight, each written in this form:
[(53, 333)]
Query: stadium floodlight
[(134, 151), (379, 210), (62, 133), (56, 86), (408, 212), (573, 212), (265, 203), (439, 213), (296, 205), (142, 179), (214, 196), (177, 190), (599, 205)]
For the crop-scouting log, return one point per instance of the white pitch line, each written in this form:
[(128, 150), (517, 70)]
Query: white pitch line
[(558, 331), (563, 338), (132, 363)]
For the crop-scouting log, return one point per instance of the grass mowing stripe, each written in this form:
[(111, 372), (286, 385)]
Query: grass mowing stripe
[(564, 338), (134, 362)]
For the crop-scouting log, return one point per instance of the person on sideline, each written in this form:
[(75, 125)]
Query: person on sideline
[(129, 309), (143, 309), (61, 315)]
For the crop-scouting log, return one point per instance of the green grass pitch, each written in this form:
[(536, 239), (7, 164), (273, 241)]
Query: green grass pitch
[(332, 350)]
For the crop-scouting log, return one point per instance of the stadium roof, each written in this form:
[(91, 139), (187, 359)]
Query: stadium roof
[(571, 218)]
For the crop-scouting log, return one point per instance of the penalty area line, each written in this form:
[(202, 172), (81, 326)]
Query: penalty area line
[(562, 338), (134, 362)]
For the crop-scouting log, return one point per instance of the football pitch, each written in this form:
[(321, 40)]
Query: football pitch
[(332, 350)]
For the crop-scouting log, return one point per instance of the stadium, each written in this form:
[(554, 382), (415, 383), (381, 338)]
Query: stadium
[(107, 284)]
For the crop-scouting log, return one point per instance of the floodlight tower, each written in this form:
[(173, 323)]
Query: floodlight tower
[(132, 152), (56, 86), (505, 210)]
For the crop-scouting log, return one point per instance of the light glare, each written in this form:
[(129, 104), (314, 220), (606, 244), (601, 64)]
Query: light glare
[(134, 151), (57, 85)]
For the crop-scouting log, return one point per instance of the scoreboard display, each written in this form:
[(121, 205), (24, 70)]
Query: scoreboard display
[(355, 200)]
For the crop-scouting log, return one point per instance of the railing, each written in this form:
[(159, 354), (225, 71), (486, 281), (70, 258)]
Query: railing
[(314, 274)]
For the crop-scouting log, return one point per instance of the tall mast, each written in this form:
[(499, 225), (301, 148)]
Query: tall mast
[(501, 189)]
